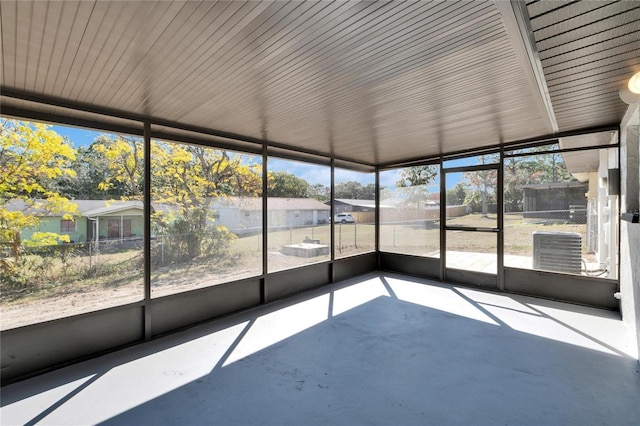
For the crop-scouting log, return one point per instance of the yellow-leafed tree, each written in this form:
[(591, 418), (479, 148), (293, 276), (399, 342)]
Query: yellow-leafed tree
[(29, 155), (185, 178), (191, 178)]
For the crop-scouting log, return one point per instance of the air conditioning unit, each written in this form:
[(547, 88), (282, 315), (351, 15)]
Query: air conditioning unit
[(557, 251)]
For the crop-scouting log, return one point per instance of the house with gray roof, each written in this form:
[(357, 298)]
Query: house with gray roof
[(243, 215), (93, 219)]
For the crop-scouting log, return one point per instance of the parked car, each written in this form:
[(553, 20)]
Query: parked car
[(344, 218)]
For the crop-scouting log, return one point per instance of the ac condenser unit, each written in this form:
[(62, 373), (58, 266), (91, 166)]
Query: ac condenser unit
[(557, 251)]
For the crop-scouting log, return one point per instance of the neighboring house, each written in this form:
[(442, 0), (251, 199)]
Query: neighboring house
[(362, 210), (244, 215), (344, 205), (393, 202), (297, 212), (119, 220), (241, 215), (95, 219)]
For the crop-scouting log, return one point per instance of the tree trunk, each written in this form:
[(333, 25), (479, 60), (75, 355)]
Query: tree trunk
[(193, 245), (484, 195)]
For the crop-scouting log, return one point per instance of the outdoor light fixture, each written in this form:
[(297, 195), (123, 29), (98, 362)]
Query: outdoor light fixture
[(631, 93), (634, 83)]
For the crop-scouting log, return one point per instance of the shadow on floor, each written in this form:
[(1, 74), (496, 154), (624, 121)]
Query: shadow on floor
[(393, 362), (382, 361)]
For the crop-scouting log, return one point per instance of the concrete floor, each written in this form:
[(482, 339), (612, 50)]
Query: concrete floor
[(380, 349)]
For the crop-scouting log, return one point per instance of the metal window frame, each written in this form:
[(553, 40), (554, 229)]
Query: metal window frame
[(155, 317)]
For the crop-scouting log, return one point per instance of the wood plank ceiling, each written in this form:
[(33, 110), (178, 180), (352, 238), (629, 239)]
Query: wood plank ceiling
[(376, 82)]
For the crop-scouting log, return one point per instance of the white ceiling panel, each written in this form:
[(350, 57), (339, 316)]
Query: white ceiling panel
[(375, 82)]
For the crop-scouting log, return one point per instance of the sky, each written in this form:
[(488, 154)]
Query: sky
[(79, 137), (312, 173)]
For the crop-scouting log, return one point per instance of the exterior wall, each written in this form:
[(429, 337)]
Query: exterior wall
[(229, 217), (630, 232), (343, 208), (52, 224), (306, 217), (340, 207), (297, 217), (239, 221), (630, 278), (608, 223)]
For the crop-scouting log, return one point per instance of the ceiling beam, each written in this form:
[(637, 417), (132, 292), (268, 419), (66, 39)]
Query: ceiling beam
[(516, 22)]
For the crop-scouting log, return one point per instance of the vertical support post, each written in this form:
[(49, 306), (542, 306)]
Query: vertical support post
[(264, 295), (500, 211), (620, 167), (147, 230), (332, 191), (355, 235), (443, 222), (377, 220)]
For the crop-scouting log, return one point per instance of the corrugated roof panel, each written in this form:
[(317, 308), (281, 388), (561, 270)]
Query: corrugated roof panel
[(9, 26), (572, 15), (601, 75), (134, 65), (588, 50), (599, 30), (623, 54), (107, 18), (543, 7), (70, 36), (289, 68), (229, 40), (371, 81), (117, 51), (320, 63), (222, 53), (588, 98)]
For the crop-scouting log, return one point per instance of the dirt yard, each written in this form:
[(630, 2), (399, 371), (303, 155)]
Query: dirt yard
[(125, 286)]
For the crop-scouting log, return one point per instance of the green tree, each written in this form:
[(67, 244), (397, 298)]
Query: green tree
[(319, 192), (555, 168), (355, 190), (531, 169), (31, 155), (287, 185), (415, 181), (91, 168), (456, 195)]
